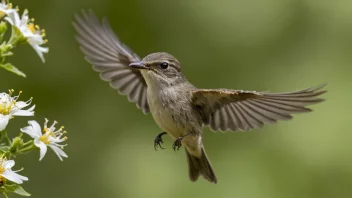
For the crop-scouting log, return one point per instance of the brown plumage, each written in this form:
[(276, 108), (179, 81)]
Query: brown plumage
[(238, 110), (111, 58), (157, 85)]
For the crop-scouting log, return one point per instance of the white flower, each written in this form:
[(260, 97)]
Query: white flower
[(7, 173), (9, 107), (49, 137), (31, 32), (6, 8)]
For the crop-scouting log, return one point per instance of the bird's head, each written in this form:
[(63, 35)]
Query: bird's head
[(159, 68)]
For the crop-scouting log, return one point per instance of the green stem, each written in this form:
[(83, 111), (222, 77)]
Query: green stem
[(16, 37), (26, 149), (27, 143), (5, 50), (13, 39), (4, 136), (3, 28)]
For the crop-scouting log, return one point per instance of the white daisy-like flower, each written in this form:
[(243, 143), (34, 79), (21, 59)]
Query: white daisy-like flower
[(7, 173), (33, 34), (10, 107), (6, 8), (47, 137)]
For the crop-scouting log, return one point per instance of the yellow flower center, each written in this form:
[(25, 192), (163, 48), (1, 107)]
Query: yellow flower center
[(9, 104), (2, 14), (44, 139), (46, 134), (31, 27), (49, 134), (2, 170), (35, 29), (5, 109)]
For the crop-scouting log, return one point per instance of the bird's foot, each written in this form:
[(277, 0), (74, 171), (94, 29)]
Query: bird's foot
[(159, 141), (177, 143)]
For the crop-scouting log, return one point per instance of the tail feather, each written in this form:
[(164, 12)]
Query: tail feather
[(200, 166)]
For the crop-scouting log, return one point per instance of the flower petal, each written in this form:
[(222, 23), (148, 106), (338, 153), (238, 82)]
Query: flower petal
[(33, 130), (4, 120), (40, 50), (36, 127), (42, 148), (59, 152), (8, 164), (29, 130), (21, 104), (23, 113), (12, 176), (31, 108)]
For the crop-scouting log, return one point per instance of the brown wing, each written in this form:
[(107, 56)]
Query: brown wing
[(237, 110), (111, 58)]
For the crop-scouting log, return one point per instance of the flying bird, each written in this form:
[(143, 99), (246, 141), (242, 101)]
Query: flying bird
[(157, 85)]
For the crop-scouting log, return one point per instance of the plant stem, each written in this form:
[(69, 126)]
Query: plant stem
[(26, 149), (4, 136)]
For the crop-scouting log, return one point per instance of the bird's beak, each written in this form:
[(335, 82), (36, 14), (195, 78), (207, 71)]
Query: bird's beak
[(138, 65)]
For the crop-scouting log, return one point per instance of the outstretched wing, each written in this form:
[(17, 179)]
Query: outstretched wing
[(111, 58), (237, 110)]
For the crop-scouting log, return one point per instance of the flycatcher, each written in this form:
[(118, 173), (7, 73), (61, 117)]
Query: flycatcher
[(158, 86)]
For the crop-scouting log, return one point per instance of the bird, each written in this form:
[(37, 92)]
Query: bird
[(157, 85)]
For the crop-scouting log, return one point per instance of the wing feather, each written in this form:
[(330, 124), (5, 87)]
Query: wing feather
[(238, 110), (111, 58)]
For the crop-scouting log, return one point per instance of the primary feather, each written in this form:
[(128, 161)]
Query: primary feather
[(238, 110), (111, 58)]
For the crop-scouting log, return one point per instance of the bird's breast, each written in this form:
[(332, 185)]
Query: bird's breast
[(162, 115), (170, 111)]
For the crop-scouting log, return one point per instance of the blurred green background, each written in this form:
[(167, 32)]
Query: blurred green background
[(274, 45)]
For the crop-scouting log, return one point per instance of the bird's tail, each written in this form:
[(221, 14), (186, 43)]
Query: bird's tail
[(200, 166)]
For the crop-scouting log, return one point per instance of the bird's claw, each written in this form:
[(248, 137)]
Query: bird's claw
[(177, 144), (158, 141)]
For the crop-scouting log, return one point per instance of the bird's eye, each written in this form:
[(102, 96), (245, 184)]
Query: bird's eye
[(164, 65)]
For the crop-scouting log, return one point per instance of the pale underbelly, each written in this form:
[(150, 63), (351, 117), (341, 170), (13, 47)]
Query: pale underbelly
[(164, 120), (190, 141), (176, 128)]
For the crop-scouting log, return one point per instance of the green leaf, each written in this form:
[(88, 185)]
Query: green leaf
[(15, 188), (13, 69), (20, 191)]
